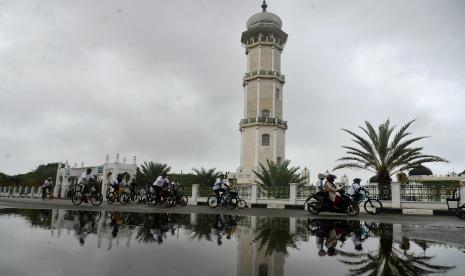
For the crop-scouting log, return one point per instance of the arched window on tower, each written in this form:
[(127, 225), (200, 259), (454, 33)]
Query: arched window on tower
[(266, 113), (279, 160), (278, 92), (265, 140)]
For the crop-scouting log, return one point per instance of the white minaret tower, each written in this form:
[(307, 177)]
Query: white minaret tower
[(262, 127)]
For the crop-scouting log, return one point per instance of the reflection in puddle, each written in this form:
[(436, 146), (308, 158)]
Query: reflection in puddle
[(223, 244)]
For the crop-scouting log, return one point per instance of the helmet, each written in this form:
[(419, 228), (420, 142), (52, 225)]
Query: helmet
[(89, 170), (331, 177), (321, 175), (357, 180), (164, 174), (221, 175)]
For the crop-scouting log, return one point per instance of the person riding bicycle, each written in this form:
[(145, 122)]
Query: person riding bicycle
[(220, 186), (355, 189), (161, 182), (84, 179), (47, 187), (320, 184), (118, 183), (332, 190)]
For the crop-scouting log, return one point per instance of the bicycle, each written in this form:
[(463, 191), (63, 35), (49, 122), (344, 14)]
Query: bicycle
[(178, 198), (47, 193), (233, 200), (120, 195), (80, 195), (164, 199), (372, 205)]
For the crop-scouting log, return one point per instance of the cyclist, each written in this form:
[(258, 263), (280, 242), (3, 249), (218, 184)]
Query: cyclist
[(354, 190), (161, 182), (84, 179), (118, 183), (46, 187), (220, 186), (132, 189)]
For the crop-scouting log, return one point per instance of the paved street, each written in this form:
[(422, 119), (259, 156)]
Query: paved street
[(450, 221)]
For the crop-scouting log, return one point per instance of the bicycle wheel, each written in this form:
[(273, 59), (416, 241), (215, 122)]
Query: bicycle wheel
[(241, 204), (141, 199), (111, 198), (96, 198), (212, 201), (231, 202), (76, 198), (169, 201), (124, 198), (373, 206), (182, 200)]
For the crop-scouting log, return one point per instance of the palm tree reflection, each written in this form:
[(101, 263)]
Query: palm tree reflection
[(388, 260), (274, 236)]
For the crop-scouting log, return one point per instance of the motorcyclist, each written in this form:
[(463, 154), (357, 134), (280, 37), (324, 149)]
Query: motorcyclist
[(331, 190), (320, 183)]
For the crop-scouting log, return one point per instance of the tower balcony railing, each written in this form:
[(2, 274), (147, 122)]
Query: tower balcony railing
[(264, 73), (263, 121), (266, 39)]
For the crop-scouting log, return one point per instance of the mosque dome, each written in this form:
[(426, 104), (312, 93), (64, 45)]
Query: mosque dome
[(264, 17), (420, 170)]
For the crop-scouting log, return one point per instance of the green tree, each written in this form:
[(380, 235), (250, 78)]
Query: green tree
[(277, 176), (384, 153), (149, 171), (206, 177)]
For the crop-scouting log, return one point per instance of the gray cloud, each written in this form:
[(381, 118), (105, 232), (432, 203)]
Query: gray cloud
[(162, 79)]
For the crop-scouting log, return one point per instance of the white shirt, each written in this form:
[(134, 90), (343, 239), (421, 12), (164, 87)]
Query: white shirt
[(354, 188), (160, 181), (122, 183), (320, 185), (85, 177), (47, 183), (218, 184)]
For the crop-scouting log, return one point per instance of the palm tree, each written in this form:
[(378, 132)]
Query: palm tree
[(149, 171), (383, 153), (390, 261), (277, 176), (206, 177)]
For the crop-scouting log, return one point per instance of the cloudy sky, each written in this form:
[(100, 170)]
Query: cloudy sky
[(163, 79)]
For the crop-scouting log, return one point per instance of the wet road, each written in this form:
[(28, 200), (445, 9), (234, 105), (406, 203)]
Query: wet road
[(449, 221)]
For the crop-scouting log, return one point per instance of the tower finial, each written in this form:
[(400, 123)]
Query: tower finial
[(264, 6)]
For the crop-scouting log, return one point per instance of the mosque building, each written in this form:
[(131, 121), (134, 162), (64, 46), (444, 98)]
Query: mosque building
[(68, 176)]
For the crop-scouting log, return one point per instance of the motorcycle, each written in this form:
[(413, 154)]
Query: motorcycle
[(319, 202)]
